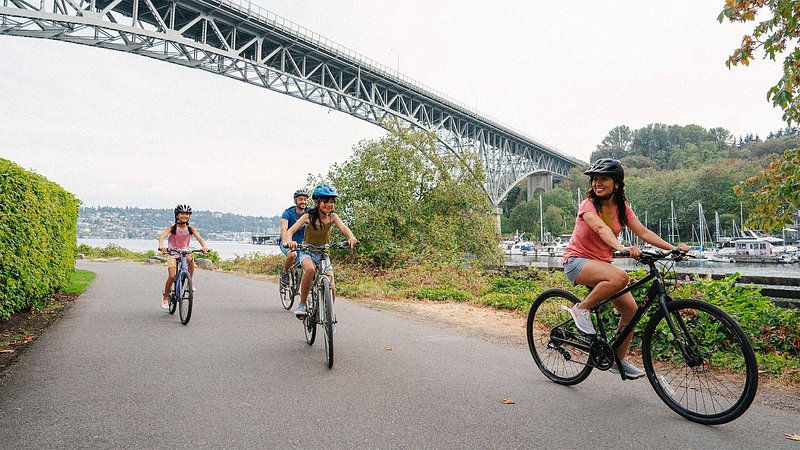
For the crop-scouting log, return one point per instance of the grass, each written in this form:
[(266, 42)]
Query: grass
[(80, 280)]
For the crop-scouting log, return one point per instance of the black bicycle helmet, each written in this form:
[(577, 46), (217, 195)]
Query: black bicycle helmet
[(183, 209), (607, 166), (300, 193)]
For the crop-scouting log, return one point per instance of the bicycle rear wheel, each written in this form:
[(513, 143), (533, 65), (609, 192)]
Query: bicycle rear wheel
[(719, 380), (327, 319), (310, 321), (185, 301), (287, 299), (173, 302), (559, 349)]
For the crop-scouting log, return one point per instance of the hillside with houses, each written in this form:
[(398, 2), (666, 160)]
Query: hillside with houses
[(142, 223)]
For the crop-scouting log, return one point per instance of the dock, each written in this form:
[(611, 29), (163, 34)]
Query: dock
[(266, 239)]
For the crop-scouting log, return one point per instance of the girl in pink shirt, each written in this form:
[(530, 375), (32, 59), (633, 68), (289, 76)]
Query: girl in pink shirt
[(587, 259), (178, 237)]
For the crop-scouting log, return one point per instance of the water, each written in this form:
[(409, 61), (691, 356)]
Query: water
[(225, 249), (231, 249), (692, 266)]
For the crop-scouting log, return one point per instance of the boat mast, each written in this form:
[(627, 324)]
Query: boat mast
[(701, 231), (673, 231)]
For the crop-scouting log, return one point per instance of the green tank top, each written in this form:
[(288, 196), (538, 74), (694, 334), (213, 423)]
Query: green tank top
[(318, 236)]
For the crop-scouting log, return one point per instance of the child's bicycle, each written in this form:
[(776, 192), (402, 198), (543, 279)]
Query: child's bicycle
[(290, 291), (697, 358), (181, 294), (319, 307)]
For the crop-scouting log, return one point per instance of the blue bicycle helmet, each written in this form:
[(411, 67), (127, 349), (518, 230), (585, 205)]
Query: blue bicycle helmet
[(324, 190)]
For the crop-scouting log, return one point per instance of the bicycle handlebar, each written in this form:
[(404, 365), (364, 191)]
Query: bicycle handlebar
[(674, 254), (182, 252), (320, 248)]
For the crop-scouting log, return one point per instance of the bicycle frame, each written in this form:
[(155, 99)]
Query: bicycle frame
[(321, 270), (658, 291), (184, 268)]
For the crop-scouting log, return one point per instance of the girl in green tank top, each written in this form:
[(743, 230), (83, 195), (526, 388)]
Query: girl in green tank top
[(320, 220)]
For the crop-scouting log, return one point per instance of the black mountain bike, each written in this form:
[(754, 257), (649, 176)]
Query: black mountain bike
[(181, 294), (290, 291), (697, 358)]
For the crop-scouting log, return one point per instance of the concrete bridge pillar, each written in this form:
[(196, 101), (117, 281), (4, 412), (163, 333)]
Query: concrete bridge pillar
[(539, 182), (498, 212)]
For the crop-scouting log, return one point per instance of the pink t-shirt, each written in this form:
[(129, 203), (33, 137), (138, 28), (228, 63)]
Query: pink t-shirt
[(180, 239), (585, 243)]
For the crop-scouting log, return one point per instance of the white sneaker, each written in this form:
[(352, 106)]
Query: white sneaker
[(164, 304), (631, 371), (582, 318)]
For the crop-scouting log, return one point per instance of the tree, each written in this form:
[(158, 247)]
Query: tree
[(774, 36), (616, 145), (407, 201), (722, 137), (778, 198)]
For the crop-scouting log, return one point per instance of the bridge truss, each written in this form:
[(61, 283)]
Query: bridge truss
[(247, 43)]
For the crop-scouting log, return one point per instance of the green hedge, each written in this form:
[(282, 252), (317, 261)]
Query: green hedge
[(38, 222)]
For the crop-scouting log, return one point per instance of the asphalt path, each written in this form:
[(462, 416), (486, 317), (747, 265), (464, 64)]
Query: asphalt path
[(115, 370)]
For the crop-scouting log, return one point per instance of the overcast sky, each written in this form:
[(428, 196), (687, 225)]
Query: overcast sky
[(118, 129)]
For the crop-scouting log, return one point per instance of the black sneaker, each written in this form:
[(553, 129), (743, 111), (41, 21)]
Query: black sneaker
[(631, 371), (284, 279)]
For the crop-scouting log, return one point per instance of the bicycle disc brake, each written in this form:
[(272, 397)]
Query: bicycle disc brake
[(602, 355)]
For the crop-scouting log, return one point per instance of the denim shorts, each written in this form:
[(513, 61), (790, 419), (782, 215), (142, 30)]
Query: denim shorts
[(316, 257), (573, 267)]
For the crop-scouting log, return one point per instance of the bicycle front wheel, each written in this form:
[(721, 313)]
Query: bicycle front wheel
[(185, 300), (559, 349), (327, 319), (717, 380)]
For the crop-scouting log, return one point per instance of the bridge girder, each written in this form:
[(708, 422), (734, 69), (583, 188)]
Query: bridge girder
[(250, 44)]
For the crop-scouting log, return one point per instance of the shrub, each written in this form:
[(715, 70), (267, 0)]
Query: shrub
[(38, 222)]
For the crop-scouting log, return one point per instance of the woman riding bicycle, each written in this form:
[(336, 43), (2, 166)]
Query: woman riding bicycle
[(587, 259), (320, 220), (180, 233)]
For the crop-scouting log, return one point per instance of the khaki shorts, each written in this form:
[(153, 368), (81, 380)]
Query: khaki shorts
[(172, 262)]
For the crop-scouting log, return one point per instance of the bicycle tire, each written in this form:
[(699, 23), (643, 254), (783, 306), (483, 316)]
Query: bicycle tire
[(172, 302), (310, 321), (327, 319), (185, 301), (287, 299), (550, 330), (724, 381)]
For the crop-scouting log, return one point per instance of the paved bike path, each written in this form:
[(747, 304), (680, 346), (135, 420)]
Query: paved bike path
[(117, 371)]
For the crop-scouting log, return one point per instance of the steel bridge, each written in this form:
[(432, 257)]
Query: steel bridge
[(250, 44)]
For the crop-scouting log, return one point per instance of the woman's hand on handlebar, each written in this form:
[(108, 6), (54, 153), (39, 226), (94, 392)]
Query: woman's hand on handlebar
[(352, 242), (682, 247), (632, 251)]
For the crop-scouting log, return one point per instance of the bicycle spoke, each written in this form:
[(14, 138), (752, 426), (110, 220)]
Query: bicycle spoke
[(553, 340), (722, 384)]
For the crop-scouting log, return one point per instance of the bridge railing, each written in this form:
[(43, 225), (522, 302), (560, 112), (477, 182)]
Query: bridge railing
[(296, 30)]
